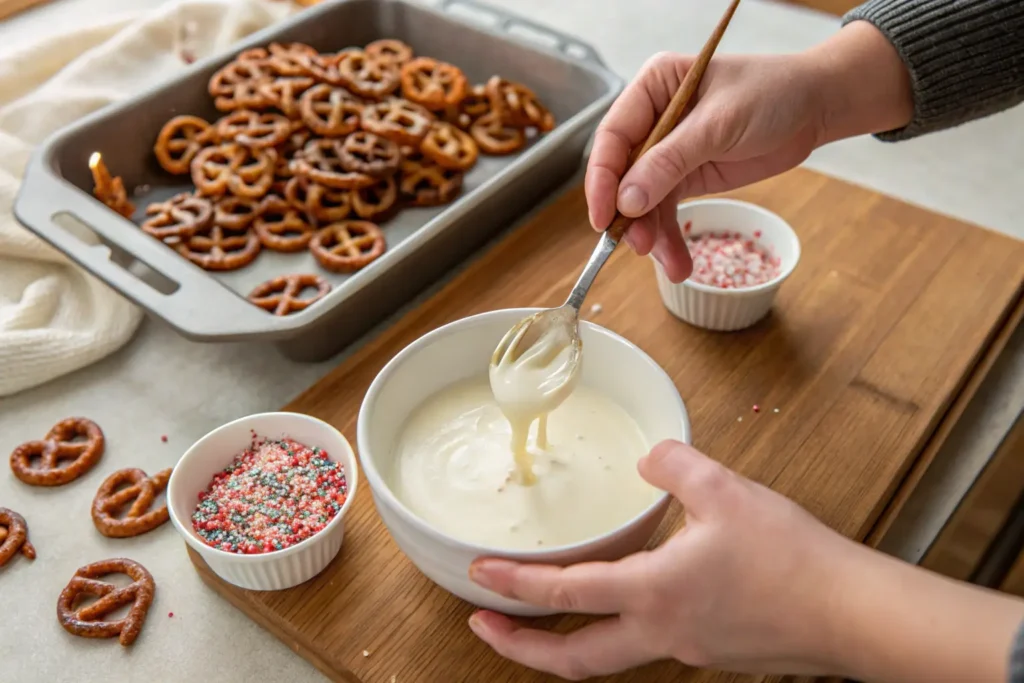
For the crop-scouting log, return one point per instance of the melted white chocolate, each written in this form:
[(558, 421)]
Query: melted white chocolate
[(454, 469)]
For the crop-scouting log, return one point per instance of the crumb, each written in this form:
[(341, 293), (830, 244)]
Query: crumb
[(776, 410), (739, 419), (366, 653), (596, 308)]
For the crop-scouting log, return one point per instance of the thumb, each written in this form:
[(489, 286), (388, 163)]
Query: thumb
[(689, 475), (654, 175)]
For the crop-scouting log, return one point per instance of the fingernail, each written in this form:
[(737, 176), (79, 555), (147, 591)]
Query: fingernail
[(479, 576), (476, 625), (632, 200), (629, 240)]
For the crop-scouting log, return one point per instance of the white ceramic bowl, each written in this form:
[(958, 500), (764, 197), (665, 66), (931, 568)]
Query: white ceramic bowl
[(212, 453), (461, 350), (726, 310)]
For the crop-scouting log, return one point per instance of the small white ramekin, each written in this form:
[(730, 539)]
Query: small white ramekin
[(212, 453), (727, 310)]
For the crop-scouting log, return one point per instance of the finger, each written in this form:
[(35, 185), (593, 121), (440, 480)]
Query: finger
[(602, 648), (670, 248), (666, 165), (643, 233), (586, 588), (689, 475), (625, 126)]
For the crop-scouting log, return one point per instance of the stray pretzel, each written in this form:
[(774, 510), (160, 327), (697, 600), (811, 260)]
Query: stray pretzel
[(60, 443), (14, 536), (111, 499), (87, 621), (281, 295)]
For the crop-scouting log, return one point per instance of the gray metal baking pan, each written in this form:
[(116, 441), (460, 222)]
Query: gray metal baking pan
[(55, 200)]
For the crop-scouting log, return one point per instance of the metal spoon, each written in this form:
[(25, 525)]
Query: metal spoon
[(528, 330)]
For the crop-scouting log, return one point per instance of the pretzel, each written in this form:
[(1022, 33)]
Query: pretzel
[(329, 111), (321, 203), (253, 54), (295, 142), (389, 51), (180, 140), (87, 621), (363, 152), (246, 95), (320, 162), (365, 75), (474, 105), (290, 59), (432, 83), (109, 189), (424, 183), (230, 167), (60, 443), (235, 213), (495, 137), (254, 130), (220, 248), (347, 246), (223, 83), (14, 536), (281, 295), (450, 147), (284, 94), (280, 227), (398, 120), (375, 200), (177, 218), (113, 496), (518, 106)]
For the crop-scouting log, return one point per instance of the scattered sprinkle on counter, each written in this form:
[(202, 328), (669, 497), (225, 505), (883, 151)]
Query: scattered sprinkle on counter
[(757, 408), (273, 495), (729, 260), (164, 438), (170, 615)]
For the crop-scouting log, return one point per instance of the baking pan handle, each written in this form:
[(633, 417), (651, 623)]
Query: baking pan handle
[(508, 23), (193, 305)]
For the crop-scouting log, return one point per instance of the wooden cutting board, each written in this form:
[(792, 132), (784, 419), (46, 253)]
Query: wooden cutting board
[(873, 337)]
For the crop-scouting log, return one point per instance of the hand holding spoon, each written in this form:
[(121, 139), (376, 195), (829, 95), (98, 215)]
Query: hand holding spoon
[(549, 341)]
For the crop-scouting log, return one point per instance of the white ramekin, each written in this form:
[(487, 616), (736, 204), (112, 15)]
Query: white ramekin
[(462, 350), (212, 453), (727, 310)]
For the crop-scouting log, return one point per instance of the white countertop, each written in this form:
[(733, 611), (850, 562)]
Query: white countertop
[(161, 384)]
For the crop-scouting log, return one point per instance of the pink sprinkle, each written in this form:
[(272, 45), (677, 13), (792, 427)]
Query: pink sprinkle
[(170, 614), (730, 260), (164, 438), (757, 234), (757, 408)]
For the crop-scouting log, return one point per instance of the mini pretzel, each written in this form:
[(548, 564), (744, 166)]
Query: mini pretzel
[(109, 189), (494, 137), (320, 162), (347, 246), (220, 248), (254, 130), (322, 203), (432, 83), (14, 536), (449, 147), (398, 120), (59, 444), (180, 140), (284, 94), (363, 152), (517, 105), (281, 295), (111, 498), (230, 167), (365, 75), (87, 621), (290, 59), (424, 183), (329, 111), (178, 218), (281, 227), (389, 51), (246, 95), (235, 213), (223, 83), (474, 105), (375, 200)]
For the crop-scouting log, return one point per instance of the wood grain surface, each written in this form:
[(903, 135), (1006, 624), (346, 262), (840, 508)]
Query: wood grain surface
[(871, 339)]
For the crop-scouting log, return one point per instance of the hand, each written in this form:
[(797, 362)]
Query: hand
[(753, 117), (742, 586)]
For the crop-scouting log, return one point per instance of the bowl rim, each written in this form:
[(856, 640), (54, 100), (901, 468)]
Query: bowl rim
[(351, 481), (378, 487), (754, 208)]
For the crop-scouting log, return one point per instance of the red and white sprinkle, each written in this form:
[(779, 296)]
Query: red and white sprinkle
[(757, 408), (729, 260)]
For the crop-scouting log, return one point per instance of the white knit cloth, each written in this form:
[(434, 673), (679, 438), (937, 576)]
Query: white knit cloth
[(54, 318)]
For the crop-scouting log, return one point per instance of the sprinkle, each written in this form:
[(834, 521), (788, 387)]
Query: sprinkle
[(776, 410), (170, 615), (739, 419), (596, 308), (366, 653), (730, 261), (757, 408), (271, 496), (393, 678), (164, 438)]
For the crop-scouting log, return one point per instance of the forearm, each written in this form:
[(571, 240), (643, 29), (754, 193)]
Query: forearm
[(901, 624)]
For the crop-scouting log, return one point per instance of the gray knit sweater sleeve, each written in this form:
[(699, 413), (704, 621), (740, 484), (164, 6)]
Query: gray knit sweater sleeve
[(966, 57), (1017, 658)]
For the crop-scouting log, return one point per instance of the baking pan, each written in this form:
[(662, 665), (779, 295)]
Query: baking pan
[(55, 200)]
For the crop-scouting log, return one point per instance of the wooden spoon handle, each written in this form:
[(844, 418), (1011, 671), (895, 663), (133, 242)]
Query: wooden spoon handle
[(670, 117)]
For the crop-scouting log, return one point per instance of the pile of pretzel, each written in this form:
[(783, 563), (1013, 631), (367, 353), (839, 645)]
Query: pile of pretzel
[(314, 150)]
